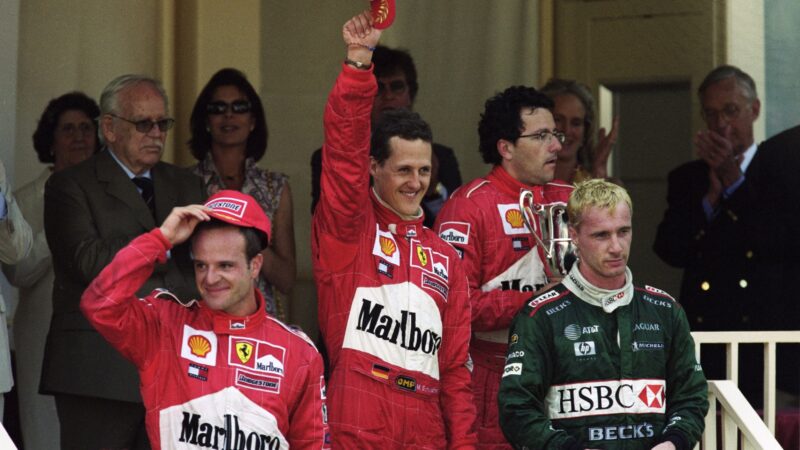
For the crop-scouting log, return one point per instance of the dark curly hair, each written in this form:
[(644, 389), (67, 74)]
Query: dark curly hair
[(400, 123), (43, 137), (501, 118), (200, 142), (389, 61)]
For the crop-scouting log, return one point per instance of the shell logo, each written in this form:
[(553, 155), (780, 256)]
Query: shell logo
[(382, 12), (388, 246), (199, 345), (514, 218)]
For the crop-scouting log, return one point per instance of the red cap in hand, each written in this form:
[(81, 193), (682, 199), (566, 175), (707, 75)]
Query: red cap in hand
[(382, 13)]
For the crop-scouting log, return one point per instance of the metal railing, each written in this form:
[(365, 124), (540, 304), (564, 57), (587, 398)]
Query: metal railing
[(737, 414)]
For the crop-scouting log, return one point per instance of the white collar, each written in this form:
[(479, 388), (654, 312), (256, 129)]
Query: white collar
[(607, 299)]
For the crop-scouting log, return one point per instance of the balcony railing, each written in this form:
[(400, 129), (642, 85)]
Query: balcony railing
[(738, 418)]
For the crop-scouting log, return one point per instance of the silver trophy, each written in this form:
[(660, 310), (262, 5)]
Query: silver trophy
[(552, 226)]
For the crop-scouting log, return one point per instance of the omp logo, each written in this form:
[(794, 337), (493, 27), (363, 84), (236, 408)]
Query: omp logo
[(388, 247), (454, 232), (203, 434), (512, 369), (585, 348), (406, 383), (402, 331), (514, 218), (606, 397)]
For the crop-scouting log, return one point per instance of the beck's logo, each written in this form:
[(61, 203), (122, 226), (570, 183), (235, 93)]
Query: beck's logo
[(244, 350), (640, 396), (403, 331)]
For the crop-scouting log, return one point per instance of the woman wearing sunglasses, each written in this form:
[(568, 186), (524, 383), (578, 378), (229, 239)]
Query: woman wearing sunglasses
[(229, 136)]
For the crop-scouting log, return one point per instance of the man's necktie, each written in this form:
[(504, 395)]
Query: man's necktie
[(146, 185)]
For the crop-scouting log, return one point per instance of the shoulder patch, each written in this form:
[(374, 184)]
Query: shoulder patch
[(295, 330), (657, 291), (164, 294), (543, 299), (469, 193)]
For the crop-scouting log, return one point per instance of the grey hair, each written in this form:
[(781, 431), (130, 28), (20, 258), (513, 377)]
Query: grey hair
[(109, 98), (724, 72), (560, 86)]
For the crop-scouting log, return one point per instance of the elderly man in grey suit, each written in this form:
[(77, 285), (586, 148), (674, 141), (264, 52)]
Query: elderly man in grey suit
[(15, 243), (91, 211)]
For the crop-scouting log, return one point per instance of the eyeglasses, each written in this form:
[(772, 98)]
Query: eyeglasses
[(546, 136), (396, 87), (71, 129), (729, 112), (144, 126), (237, 107)]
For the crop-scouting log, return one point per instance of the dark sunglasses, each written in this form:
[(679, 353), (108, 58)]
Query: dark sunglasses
[(144, 126), (395, 87), (237, 107)]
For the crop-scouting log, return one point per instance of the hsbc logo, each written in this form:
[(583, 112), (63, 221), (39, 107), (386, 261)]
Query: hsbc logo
[(607, 397)]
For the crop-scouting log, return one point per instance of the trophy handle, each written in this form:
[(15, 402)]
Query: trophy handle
[(530, 211)]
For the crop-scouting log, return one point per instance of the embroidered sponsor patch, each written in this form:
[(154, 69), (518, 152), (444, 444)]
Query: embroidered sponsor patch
[(380, 371), (258, 381), (511, 218), (584, 348), (237, 324), (640, 396), (643, 346), (512, 369), (199, 346), (514, 339), (198, 372), (404, 334), (385, 268), (406, 383), (385, 246), (256, 355), (323, 390), (520, 244), (429, 282), (456, 233), (228, 205)]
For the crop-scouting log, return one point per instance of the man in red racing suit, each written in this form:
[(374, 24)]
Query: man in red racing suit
[(482, 220), (393, 304), (210, 377)]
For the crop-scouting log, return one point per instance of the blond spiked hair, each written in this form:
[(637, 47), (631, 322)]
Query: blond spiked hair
[(598, 193)]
